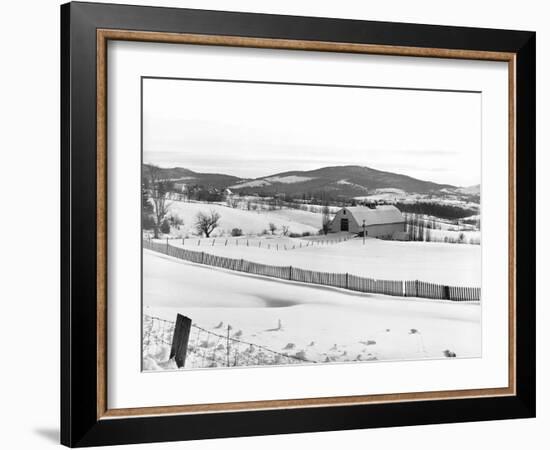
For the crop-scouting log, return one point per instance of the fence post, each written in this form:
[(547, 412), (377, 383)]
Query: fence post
[(290, 272), (180, 340), (166, 245), (347, 280), (228, 328)]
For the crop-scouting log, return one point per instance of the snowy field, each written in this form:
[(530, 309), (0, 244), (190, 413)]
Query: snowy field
[(435, 262), (250, 222), (316, 323)]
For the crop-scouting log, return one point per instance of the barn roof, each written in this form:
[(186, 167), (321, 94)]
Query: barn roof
[(373, 216)]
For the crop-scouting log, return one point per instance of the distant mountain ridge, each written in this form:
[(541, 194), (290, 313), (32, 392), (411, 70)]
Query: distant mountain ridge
[(470, 190), (215, 180), (344, 181), (338, 180)]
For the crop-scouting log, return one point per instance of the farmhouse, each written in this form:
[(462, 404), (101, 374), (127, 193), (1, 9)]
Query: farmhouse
[(380, 221)]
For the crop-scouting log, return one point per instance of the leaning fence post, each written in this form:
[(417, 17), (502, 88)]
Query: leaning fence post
[(180, 340)]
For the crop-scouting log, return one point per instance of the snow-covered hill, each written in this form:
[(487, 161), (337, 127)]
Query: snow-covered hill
[(320, 324)]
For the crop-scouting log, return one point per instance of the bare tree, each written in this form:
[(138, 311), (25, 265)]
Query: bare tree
[(285, 229), (231, 201), (428, 235), (158, 190), (272, 227), (325, 211), (206, 223)]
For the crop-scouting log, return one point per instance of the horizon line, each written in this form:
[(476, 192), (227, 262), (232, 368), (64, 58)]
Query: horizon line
[(144, 163)]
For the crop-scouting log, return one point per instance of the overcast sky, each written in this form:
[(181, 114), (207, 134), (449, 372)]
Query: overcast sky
[(253, 130)]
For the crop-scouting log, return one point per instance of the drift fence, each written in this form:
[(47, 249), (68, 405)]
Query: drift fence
[(410, 288), (305, 242), (196, 347)]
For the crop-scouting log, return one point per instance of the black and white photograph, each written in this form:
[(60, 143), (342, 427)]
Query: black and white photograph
[(293, 223)]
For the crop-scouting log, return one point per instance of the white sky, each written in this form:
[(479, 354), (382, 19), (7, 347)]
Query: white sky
[(253, 130)]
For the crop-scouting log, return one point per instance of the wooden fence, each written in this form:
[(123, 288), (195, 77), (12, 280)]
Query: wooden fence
[(409, 288)]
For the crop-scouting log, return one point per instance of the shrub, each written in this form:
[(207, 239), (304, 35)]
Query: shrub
[(295, 235), (176, 220), (236, 232), (306, 233), (165, 226)]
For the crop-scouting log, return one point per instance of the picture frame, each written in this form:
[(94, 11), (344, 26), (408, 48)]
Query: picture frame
[(86, 418)]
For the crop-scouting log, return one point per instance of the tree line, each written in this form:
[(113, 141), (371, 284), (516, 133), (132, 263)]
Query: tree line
[(442, 211)]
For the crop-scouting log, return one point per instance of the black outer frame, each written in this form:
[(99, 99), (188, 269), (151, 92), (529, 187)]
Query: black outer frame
[(79, 424)]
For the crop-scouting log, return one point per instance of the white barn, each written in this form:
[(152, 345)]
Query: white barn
[(381, 221)]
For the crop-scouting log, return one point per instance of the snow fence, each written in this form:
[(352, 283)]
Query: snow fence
[(399, 288)]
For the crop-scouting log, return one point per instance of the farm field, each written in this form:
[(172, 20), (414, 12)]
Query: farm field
[(250, 222), (315, 323), (254, 223), (453, 264)]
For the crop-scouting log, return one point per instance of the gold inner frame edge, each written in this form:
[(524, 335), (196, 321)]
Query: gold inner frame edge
[(103, 36)]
